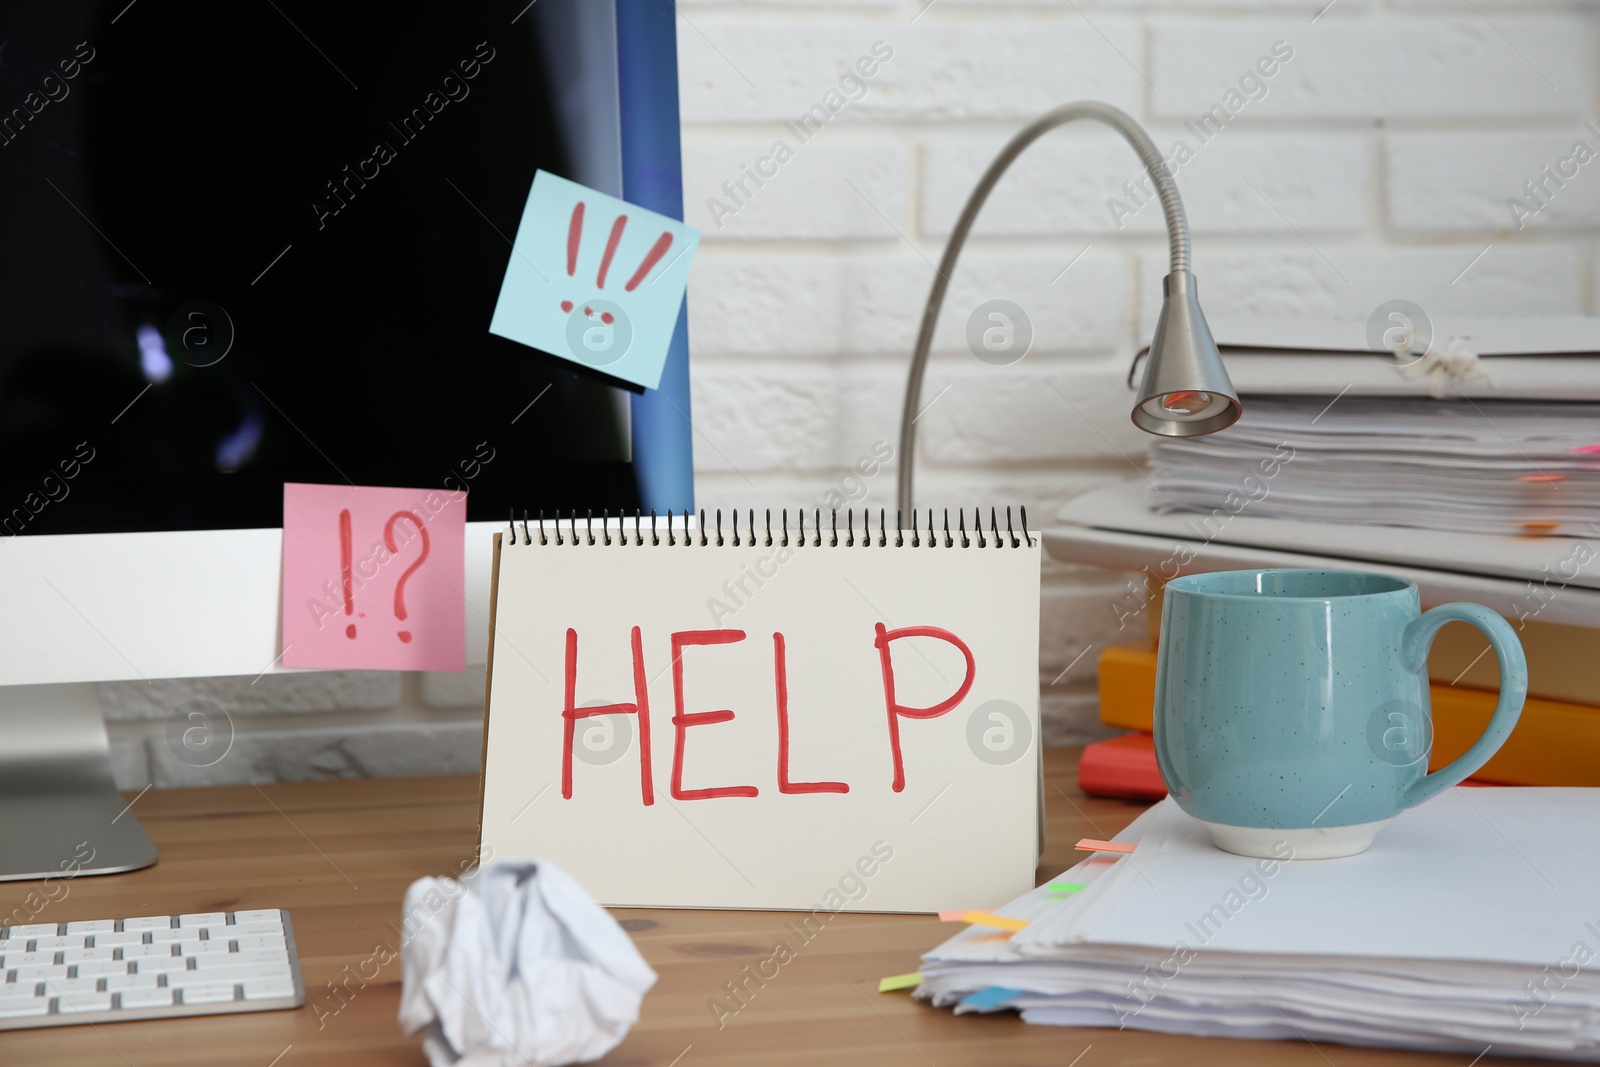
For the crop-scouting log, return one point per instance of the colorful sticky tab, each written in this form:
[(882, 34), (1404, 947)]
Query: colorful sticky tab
[(990, 998), (1065, 887), (899, 981), (999, 922), (372, 578), (1089, 844), (595, 280), (959, 915)]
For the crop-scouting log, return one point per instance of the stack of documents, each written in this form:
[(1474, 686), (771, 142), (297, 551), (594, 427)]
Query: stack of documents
[(1472, 923), (1478, 466)]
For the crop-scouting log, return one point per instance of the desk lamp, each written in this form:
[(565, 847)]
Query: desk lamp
[(1186, 391)]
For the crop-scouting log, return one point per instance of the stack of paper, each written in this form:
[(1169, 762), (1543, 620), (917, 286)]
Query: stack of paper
[(1480, 466), (1524, 357), (1473, 922)]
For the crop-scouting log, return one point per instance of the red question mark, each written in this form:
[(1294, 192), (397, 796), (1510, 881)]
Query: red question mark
[(400, 586)]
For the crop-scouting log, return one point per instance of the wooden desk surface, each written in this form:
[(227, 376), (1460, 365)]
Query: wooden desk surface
[(339, 856)]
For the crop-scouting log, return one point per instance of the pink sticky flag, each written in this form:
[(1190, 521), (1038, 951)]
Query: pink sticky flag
[(1089, 844), (959, 916), (372, 578)]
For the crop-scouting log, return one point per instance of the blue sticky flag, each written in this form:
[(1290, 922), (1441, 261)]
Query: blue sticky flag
[(595, 280), (990, 998)]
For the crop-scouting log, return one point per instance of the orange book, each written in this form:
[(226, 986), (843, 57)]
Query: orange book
[(1128, 685), (1555, 743), (1563, 661)]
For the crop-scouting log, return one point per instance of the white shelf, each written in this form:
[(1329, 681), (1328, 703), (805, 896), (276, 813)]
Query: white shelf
[(1111, 527)]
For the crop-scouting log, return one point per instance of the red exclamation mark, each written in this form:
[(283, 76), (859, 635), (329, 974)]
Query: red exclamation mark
[(574, 236), (344, 569), (574, 240), (651, 258), (611, 249)]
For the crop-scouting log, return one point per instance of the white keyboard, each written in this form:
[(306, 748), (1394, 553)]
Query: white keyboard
[(151, 967)]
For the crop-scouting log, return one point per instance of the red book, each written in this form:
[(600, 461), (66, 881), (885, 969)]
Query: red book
[(1121, 767)]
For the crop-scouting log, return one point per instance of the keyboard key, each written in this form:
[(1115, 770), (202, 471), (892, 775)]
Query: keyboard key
[(266, 942), (93, 926), (11, 1008), (23, 959), (84, 1002), (266, 915), (146, 922), (251, 929), (140, 952), (229, 974), (36, 971), (72, 986), (146, 998), (13, 944), (216, 993), (115, 982), (101, 967), (130, 937), (79, 955), (55, 944), (160, 964), (33, 930), (239, 959), (267, 988), (201, 948), (169, 935), (203, 918)]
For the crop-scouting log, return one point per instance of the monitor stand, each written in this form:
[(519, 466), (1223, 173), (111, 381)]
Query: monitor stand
[(61, 814)]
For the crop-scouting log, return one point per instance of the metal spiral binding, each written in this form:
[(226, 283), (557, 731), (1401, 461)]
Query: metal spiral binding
[(679, 530)]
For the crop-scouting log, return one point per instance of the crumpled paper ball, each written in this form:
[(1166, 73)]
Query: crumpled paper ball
[(516, 966)]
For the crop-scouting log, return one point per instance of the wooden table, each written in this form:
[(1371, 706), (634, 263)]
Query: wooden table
[(339, 856)]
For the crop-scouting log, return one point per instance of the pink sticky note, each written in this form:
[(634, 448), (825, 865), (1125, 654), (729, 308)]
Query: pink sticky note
[(372, 578), (1090, 844)]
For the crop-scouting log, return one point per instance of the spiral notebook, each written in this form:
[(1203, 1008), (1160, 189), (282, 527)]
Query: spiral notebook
[(808, 712)]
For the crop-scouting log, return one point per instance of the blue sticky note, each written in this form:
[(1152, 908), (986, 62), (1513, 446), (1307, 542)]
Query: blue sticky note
[(990, 998), (595, 280)]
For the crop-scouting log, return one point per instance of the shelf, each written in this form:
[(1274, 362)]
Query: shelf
[(1111, 527)]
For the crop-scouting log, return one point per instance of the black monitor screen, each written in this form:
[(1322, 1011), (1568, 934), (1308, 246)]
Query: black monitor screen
[(251, 243)]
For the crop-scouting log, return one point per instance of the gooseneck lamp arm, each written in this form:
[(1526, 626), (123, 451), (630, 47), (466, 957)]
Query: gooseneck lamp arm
[(1186, 389)]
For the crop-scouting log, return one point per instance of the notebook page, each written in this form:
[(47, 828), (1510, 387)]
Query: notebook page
[(961, 830)]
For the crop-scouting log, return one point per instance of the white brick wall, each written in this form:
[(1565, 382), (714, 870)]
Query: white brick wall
[(1381, 157)]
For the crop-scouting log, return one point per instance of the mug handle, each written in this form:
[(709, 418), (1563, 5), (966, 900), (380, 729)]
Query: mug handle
[(1415, 641)]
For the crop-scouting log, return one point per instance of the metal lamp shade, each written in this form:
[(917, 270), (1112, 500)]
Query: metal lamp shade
[(1186, 391)]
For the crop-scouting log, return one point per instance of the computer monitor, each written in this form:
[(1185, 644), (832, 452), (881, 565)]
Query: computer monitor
[(256, 244)]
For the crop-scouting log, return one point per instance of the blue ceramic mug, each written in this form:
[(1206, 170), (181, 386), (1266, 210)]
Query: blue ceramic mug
[(1292, 705)]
